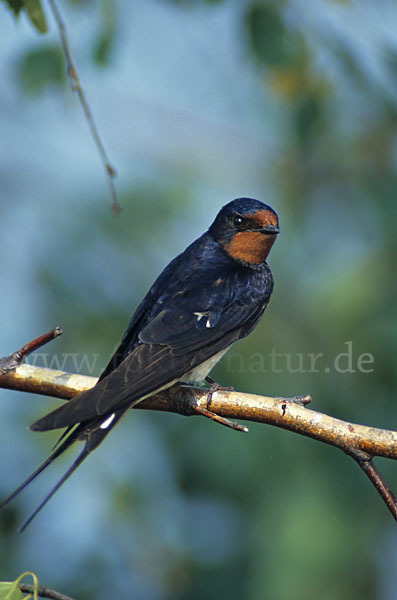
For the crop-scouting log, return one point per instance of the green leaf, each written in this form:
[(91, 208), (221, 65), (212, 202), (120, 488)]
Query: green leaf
[(41, 67), (14, 5), (267, 33), (36, 15), (104, 44), (309, 116), (103, 48), (34, 11), (9, 590), (272, 42)]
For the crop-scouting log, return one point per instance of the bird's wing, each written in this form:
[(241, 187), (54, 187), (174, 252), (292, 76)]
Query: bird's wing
[(170, 345), (130, 336)]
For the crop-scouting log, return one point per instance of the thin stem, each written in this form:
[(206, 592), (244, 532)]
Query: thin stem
[(77, 87), (379, 483)]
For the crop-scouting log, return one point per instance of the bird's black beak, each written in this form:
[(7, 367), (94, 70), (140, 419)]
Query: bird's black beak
[(272, 229)]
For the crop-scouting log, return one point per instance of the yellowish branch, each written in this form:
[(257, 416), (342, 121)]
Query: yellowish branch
[(287, 413), (360, 442)]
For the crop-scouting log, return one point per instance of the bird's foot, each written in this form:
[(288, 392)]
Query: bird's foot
[(215, 387), (206, 412), (188, 404)]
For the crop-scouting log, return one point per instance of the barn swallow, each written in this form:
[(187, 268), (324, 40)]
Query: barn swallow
[(207, 298)]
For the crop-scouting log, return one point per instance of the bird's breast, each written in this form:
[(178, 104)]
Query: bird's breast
[(199, 373)]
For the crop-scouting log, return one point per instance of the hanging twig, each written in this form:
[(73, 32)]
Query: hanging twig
[(77, 87)]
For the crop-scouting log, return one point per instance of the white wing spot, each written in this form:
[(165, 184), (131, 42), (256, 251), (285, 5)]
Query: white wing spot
[(108, 421), (199, 315)]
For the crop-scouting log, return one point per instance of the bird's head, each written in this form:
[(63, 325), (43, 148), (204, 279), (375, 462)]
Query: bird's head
[(246, 229)]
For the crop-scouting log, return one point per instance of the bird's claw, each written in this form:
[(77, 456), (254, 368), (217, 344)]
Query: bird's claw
[(215, 387)]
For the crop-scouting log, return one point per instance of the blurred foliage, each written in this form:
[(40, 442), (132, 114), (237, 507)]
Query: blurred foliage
[(34, 11), (272, 43), (104, 45), (283, 50), (40, 67), (44, 66), (191, 510), (191, 3)]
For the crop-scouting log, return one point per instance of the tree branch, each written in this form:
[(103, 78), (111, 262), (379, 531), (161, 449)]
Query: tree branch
[(77, 87), (360, 442), (8, 363), (43, 592)]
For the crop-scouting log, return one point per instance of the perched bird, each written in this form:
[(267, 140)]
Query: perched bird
[(207, 298)]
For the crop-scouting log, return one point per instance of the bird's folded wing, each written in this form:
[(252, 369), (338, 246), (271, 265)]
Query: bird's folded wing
[(171, 344)]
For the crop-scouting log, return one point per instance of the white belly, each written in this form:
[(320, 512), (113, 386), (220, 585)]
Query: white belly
[(199, 373)]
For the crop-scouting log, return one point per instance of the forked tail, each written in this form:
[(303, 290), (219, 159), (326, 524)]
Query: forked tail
[(93, 434)]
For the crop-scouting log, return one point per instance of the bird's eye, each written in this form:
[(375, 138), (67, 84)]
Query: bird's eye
[(239, 221)]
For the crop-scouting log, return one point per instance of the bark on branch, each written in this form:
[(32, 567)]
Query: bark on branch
[(360, 442)]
